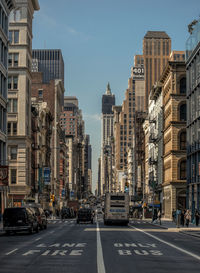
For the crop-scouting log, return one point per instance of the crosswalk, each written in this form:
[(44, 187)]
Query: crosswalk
[(66, 222), (73, 222)]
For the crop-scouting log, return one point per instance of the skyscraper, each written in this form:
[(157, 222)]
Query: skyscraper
[(156, 51), (50, 62), (108, 100)]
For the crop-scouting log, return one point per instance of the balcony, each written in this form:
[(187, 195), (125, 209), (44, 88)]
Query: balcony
[(152, 160), (153, 138)]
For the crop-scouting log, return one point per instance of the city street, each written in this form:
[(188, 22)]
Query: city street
[(69, 247)]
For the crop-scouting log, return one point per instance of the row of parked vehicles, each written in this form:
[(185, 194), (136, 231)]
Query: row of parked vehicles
[(27, 218)]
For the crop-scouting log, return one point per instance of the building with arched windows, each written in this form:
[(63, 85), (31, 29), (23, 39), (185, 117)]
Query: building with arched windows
[(193, 116), (173, 82)]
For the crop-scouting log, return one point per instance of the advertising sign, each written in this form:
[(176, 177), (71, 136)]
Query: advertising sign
[(47, 175), (3, 175), (138, 72)]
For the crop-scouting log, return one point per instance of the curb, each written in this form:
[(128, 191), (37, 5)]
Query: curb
[(155, 225), (190, 234)]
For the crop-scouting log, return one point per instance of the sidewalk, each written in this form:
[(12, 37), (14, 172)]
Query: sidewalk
[(192, 230)]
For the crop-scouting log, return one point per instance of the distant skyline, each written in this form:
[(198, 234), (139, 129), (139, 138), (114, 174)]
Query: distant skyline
[(99, 39)]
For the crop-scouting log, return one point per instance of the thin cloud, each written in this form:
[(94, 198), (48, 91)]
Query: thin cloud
[(50, 21), (92, 117)]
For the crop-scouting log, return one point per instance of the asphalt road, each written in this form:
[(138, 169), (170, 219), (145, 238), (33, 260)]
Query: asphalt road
[(89, 248)]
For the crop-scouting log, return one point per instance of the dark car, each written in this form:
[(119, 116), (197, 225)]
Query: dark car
[(85, 215), (19, 219), (40, 214), (65, 213)]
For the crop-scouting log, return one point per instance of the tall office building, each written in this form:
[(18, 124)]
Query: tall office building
[(50, 62), (156, 51), (108, 100), (5, 9), (19, 99)]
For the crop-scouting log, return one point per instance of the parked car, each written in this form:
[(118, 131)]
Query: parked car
[(19, 219), (40, 214), (84, 215)]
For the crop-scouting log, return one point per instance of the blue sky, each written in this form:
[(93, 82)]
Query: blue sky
[(99, 39)]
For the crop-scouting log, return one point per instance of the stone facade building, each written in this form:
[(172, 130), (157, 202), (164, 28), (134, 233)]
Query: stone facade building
[(52, 93), (193, 118), (155, 149), (41, 120), (5, 8), (19, 100), (173, 82)]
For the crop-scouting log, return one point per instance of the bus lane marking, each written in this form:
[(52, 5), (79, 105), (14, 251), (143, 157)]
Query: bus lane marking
[(147, 251), (12, 251), (167, 243)]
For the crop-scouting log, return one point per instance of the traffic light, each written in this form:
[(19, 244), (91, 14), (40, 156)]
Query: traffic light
[(127, 184), (52, 197)]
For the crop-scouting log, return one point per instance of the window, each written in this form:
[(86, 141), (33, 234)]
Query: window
[(183, 112), (13, 82), (9, 128), (13, 153), (182, 141), (13, 59), (12, 128), (12, 105), (40, 93), (15, 15), (14, 36), (183, 86), (183, 170), (13, 176)]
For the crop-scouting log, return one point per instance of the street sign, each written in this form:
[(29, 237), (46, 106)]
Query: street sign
[(71, 193), (47, 175), (63, 192)]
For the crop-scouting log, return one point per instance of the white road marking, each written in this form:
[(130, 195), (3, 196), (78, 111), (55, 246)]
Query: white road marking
[(11, 251), (169, 244), (37, 239), (100, 261), (52, 231)]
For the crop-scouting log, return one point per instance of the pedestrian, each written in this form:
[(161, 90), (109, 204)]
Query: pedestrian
[(197, 216), (159, 217), (182, 218), (187, 218), (174, 215)]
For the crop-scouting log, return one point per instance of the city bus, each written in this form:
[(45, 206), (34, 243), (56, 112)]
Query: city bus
[(116, 208)]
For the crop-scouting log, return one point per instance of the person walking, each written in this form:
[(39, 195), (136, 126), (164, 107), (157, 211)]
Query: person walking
[(159, 217), (197, 216), (187, 218), (174, 215), (182, 218)]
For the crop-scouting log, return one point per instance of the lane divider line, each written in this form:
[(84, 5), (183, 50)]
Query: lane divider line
[(11, 251), (100, 261), (169, 244)]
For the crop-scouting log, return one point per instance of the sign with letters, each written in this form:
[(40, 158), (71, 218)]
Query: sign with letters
[(138, 72)]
